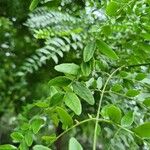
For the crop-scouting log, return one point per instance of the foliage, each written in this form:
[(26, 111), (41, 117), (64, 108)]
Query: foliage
[(98, 87)]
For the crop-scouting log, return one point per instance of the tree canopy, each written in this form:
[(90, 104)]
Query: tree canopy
[(74, 75)]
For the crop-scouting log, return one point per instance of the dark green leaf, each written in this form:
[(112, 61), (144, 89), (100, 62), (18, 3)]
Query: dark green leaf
[(81, 90), (73, 102), (86, 69), (74, 144), (56, 99), (69, 68), (105, 49), (146, 102), (140, 76), (127, 119), (89, 51), (60, 81), (33, 4), (143, 130)]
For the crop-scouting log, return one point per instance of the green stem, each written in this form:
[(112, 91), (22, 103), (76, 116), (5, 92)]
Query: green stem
[(99, 107), (99, 120), (82, 122)]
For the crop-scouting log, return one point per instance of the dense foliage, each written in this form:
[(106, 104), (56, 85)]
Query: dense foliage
[(75, 74)]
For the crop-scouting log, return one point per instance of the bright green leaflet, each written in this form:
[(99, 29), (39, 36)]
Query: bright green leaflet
[(143, 130), (74, 144), (69, 68), (34, 4), (127, 119), (73, 102)]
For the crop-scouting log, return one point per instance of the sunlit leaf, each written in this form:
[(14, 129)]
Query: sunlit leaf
[(33, 4), (29, 138), (36, 124), (112, 8), (127, 119), (69, 68), (17, 136), (74, 144), (7, 147), (99, 83), (40, 147)]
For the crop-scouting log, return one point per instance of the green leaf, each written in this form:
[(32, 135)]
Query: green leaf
[(140, 76), (132, 93), (65, 118), (49, 139), (56, 99), (17, 136), (112, 112), (36, 124), (117, 88), (23, 146), (99, 83), (41, 104), (74, 144), (29, 138), (89, 51), (106, 30), (112, 8), (69, 68), (143, 130), (86, 69), (40, 147), (60, 81), (73, 102), (33, 4), (82, 91), (127, 119), (105, 49), (7, 147), (146, 102)]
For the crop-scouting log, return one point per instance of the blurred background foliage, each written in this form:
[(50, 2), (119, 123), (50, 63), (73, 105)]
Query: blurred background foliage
[(32, 43)]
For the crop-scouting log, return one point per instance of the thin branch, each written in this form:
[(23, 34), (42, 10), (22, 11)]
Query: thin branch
[(99, 107)]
